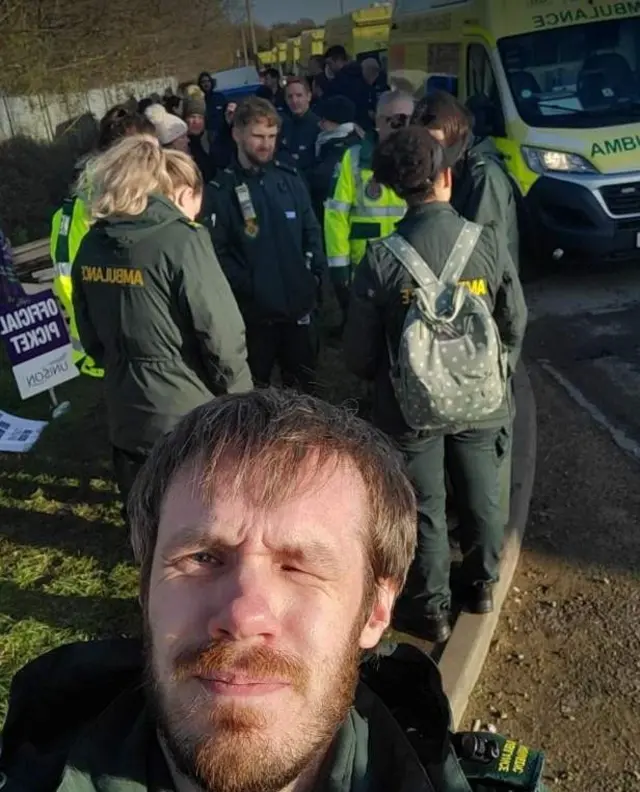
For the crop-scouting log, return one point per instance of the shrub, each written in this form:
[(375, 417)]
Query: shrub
[(36, 176)]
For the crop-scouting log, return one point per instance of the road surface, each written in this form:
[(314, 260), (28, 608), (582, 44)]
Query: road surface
[(585, 333), (564, 669)]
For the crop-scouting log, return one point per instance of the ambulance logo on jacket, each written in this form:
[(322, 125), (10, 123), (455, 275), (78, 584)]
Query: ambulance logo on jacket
[(373, 190)]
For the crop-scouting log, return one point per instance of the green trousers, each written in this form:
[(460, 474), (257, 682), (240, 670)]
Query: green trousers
[(478, 464)]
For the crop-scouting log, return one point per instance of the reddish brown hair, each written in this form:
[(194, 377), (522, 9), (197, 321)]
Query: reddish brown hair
[(255, 109), (259, 444)]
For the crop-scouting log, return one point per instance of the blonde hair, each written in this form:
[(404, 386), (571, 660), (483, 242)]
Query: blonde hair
[(120, 180)]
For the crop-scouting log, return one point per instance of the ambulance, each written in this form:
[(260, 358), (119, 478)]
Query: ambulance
[(556, 83), (266, 57), (293, 55), (311, 43), (363, 33), (281, 56)]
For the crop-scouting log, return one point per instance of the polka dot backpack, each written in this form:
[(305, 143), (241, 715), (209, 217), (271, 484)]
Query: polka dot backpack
[(450, 367)]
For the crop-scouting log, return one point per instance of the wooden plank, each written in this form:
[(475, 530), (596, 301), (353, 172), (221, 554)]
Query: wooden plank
[(31, 252), (31, 258)]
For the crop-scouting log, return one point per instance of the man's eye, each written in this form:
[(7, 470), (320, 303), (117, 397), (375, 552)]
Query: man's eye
[(204, 558), (294, 569)]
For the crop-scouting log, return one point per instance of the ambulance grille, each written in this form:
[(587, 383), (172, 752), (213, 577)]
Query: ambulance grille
[(622, 199)]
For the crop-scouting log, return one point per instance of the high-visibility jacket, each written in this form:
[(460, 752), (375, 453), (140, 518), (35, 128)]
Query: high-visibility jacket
[(358, 209), (68, 228)]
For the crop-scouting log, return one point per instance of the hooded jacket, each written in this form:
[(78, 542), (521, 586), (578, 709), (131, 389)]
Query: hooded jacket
[(484, 193), (154, 309), (79, 721), (330, 148), (215, 102)]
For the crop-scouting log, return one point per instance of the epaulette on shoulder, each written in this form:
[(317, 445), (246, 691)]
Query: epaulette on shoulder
[(286, 167), (222, 179)]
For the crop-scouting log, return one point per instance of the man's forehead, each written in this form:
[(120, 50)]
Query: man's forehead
[(262, 128), (398, 107), (323, 499)]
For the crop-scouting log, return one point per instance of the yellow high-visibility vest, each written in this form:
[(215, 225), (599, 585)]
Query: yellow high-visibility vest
[(357, 210), (68, 228)]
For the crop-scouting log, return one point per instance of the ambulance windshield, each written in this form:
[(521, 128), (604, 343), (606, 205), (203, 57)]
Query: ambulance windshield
[(580, 76)]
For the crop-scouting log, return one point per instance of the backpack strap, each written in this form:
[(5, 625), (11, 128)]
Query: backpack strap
[(411, 260), (461, 253), (415, 265)]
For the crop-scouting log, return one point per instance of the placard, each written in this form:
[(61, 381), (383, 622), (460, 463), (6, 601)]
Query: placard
[(18, 435), (37, 341)]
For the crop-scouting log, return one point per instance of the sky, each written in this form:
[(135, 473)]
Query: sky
[(269, 11)]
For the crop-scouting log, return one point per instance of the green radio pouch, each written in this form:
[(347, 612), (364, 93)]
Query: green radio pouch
[(493, 763)]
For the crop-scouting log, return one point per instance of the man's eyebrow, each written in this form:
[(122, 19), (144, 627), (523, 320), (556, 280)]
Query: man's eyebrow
[(193, 537), (314, 553), (189, 538)]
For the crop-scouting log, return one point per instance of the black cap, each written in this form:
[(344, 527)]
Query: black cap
[(338, 109)]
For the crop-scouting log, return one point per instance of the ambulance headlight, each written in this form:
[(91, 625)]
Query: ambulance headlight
[(547, 160)]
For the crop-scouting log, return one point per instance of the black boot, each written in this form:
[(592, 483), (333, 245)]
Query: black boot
[(479, 598), (435, 628)]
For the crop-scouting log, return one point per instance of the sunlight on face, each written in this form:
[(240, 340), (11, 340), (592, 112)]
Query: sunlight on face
[(298, 98), (257, 141), (255, 619)]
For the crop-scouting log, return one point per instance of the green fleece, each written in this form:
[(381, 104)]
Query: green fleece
[(79, 722), (483, 192), (154, 309)]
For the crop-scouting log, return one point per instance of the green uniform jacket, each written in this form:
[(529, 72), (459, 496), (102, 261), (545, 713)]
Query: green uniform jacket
[(155, 311), (79, 722), (381, 295), (484, 193), (274, 262)]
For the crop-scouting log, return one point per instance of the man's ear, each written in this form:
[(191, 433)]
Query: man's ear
[(380, 615)]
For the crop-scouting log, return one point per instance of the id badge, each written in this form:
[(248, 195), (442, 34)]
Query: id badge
[(246, 204)]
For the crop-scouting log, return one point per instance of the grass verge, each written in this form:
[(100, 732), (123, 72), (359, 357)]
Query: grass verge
[(66, 569)]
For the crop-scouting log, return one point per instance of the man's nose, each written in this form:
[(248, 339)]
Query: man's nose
[(247, 603)]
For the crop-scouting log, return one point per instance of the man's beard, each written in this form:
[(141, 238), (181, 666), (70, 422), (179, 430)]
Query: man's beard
[(259, 162), (233, 750)]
